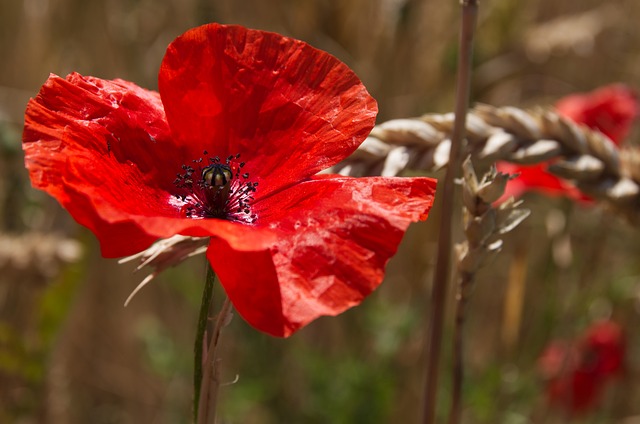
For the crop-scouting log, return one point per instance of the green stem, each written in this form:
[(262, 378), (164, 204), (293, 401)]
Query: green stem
[(208, 405), (198, 349)]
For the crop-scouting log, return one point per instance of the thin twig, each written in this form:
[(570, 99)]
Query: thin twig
[(211, 376), (441, 274)]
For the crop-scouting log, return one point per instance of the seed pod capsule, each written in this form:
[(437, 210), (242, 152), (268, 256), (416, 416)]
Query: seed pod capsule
[(217, 175)]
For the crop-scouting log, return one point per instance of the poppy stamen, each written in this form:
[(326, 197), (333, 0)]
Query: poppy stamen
[(219, 191)]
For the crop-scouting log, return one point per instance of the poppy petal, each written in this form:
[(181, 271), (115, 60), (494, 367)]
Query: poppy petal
[(611, 109), (536, 178), (229, 90), (335, 237), (103, 149)]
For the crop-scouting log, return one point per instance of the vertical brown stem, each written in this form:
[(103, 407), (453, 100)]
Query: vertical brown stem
[(441, 274), (462, 296)]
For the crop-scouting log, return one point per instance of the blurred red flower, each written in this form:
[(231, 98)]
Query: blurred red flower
[(611, 110), (577, 373), (245, 119)]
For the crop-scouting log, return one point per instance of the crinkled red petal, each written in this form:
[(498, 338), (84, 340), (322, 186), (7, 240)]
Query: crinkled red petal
[(104, 151), (335, 237), (289, 109)]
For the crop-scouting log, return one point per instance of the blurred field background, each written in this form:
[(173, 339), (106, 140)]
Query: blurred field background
[(71, 353)]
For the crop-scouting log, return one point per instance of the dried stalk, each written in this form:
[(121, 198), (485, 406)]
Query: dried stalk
[(483, 227), (441, 277), (585, 157)]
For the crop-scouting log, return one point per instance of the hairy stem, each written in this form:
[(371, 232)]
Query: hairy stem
[(211, 375), (441, 274), (198, 348)]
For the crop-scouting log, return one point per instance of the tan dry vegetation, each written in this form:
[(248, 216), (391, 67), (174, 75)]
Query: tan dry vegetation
[(69, 351)]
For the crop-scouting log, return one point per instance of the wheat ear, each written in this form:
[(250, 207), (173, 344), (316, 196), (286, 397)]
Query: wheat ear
[(576, 153)]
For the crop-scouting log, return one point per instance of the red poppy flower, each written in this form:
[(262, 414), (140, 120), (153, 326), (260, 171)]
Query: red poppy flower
[(245, 119), (605, 342), (577, 373), (611, 110)]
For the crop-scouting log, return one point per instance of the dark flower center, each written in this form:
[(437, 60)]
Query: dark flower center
[(217, 190)]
